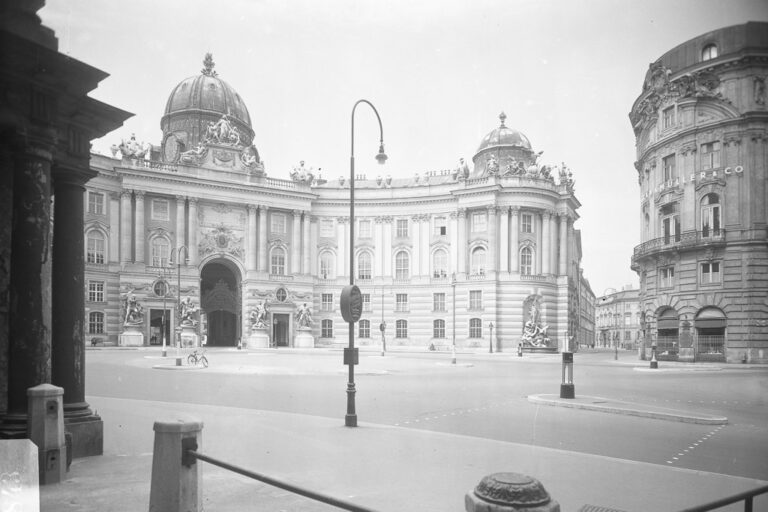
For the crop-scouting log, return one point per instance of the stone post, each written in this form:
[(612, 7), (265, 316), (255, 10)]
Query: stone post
[(307, 245), (462, 247), (509, 492), (263, 239), (176, 487), (139, 231), (192, 242), (125, 226), (546, 259), (46, 429), (251, 256), (514, 239)]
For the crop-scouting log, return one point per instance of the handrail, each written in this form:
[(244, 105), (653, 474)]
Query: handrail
[(746, 496), (282, 485)]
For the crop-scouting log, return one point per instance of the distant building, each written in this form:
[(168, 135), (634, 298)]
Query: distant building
[(617, 318), (701, 127)]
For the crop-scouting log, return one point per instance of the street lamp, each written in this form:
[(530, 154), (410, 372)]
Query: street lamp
[(383, 325), (178, 289), (353, 313), (453, 326), (490, 339), (163, 275)]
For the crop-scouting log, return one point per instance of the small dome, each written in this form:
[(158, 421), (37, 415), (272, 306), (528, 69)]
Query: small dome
[(503, 136)]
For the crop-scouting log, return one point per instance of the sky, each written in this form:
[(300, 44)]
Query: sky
[(439, 72)]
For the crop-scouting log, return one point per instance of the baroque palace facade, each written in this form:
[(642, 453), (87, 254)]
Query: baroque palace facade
[(701, 127), (467, 249)]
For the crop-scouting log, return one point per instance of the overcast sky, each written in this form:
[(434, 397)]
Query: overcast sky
[(439, 72)]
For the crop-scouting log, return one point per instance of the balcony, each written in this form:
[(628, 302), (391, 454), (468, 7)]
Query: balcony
[(280, 277), (686, 241)]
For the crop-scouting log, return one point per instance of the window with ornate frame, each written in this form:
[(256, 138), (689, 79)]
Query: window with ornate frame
[(277, 262), (364, 229), (710, 215), (402, 265), (95, 247), (479, 222), (277, 224), (710, 272), (709, 52), (326, 265), (402, 228), (666, 277), (478, 262), (161, 249), (364, 265), (526, 223), (710, 155), (96, 203), (95, 291), (668, 117), (668, 167), (526, 261), (440, 263)]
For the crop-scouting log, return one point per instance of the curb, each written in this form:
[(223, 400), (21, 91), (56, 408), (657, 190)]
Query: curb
[(627, 410)]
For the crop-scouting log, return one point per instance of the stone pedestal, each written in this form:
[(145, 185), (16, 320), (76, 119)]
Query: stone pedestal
[(132, 336), (304, 338), (189, 337), (258, 338)]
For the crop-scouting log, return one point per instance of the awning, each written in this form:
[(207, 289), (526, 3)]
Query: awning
[(709, 323), (668, 323)]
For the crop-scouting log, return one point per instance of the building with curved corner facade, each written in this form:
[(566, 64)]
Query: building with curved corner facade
[(488, 243), (701, 126)]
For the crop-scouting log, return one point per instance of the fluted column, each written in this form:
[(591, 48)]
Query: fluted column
[(493, 245), (424, 249), (193, 228), (462, 245), (341, 241), (263, 239), (553, 242), (313, 234), (546, 259), (114, 227), (181, 216), (504, 239), (306, 246), (454, 242), (295, 243), (562, 269), (139, 232), (126, 222), (514, 239), (378, 233), (388, 247), (416, 237), (252, 245)]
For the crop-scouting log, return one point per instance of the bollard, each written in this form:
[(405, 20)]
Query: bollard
[(567, 389), (654, 362), (45, 427), (176, 485), (509, 492), (519, 350)]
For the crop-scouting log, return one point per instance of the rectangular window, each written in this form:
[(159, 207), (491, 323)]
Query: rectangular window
[(526, 223), (475, 299), (627, 319), (277, 262), (366, 301), (365, 329), (326, 330), (668, 165), (668, 116), (438, 329), (96, 323), (401, 302), (326, 228), (438, 302), (96, 248), (95, 291), (402, 228), (401, 329), (667, 277), (710, 272), (710, 156), (671, 227), (160, 209), (364, 229), (441, 226), (479, 222), (326, 303), (278, 223), (96, 203), (627, 335)]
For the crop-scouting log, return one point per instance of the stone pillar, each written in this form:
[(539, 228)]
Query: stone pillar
[(29, 291), (388, 247), (192, 242), (295, 243), (461, 254), (139, 231), (251, 238), (307, 246), (313, 235), (537, 231), (504, 239), (509, 492), (68, 308), (114, 227), (416, 237), (180, 218), (553, 242), (546, 259), (126, 221), (341, 251), (563, 266), (378, 236), (514, 240), (493, 244), (424, 249), (176, 481), (454, 242), (263, 239)]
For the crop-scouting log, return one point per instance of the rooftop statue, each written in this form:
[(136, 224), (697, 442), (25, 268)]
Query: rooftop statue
[(492, 166), (222, 132), (302, 174), (194, 155), (133, 148)]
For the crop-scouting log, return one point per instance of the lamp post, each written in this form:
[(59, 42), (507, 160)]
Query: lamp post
[(163, 275), (350, 353), (490, 339), (453, 325), (383, 325), (178, 290)]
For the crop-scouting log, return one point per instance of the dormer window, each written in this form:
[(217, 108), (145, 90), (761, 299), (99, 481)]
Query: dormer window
[(709, 52)]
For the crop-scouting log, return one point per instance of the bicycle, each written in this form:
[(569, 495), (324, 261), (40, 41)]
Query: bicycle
[(197, 357)]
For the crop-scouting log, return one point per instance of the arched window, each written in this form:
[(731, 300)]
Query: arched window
[(709, 52), (475, 328), (526, 261), (326, 328), (440, 263), (402, 265), (478, 262), (96, 322), (710, 215), (161, 249), (326, 265), (401, 329), (364, 265), (364, 329), (96, 247), (438, 329), (277, 261)]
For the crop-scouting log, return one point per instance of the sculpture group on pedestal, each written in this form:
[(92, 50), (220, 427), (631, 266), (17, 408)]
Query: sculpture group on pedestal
[(134, 312), (534, 333), (188, 312), (303, 316), (258, 316)]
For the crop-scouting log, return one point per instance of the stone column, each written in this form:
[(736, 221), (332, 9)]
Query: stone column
[(454, 242), (424, 249), (553, 242), (378, 236), (180, 218), (493, 244), (504, 239), (68, 308), (29, 290), (307, 245), (416, 237), (514, 239), (462, 245), (252, 245), (341, 247), (192, 242), (126, 221), (562, 269), (388, 247), (263, 239), (139, 231), (537, 231), (295, 243), (546, 259), (313, 235), (114, 227)]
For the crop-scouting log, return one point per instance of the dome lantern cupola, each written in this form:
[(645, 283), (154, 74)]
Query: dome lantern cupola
[(501, 147)]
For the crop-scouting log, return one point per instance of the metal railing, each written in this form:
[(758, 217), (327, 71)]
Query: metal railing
[(710, 344), (667, 345), (745, 496)]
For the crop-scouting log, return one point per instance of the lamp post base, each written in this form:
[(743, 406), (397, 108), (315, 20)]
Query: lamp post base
[(350, 420), (567, 391), (654, 364)]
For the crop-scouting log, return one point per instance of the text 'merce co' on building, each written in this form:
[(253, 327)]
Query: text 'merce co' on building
[(700, 125), (194, 238)]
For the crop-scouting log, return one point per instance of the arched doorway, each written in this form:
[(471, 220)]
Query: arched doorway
[(220, 302), (710, 325)]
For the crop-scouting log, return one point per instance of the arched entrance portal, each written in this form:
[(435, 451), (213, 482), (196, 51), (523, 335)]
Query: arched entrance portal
[(220, 302)]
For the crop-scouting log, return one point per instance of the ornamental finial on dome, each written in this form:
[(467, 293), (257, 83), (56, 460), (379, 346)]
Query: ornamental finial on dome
[(209, 64), (502, 116)]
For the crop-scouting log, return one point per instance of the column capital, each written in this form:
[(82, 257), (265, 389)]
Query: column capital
[(313, 218), (461, 212), (342, 220), (492, 209), (125, 194), (453, 215), (139, 194), (514, 210), (71, 171), (263, 208), (193, 200), (297, 213), (181, 199), (114, 195), (252, 208), (546, 214)]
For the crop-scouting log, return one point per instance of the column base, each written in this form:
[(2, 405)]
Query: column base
[(13, 426), (567, 391), (86, 428)]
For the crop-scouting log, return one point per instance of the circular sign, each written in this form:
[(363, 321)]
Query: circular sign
[(383, 326), (351, 303)]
